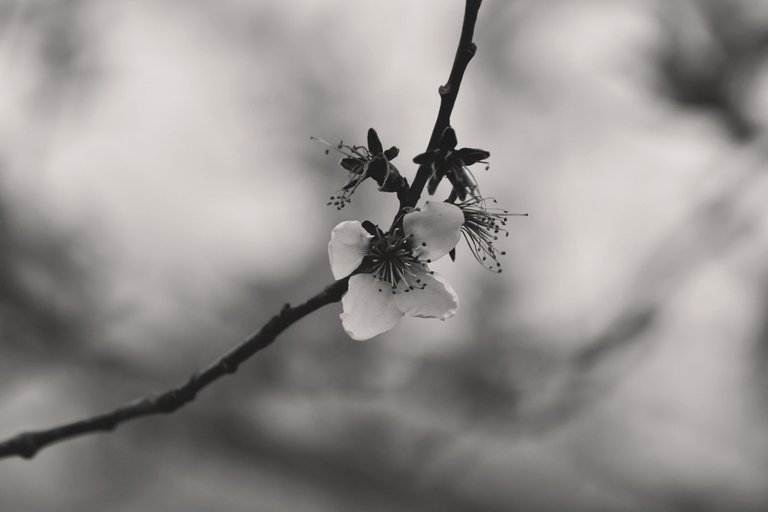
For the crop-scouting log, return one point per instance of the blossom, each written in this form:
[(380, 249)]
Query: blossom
[(452, 163), (362, 163), (390, 273)]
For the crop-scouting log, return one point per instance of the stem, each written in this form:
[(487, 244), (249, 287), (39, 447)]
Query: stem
[(27, 444), (448, 93)]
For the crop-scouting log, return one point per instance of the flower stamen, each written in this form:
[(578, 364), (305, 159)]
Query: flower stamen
[(362, 163), (482, 227), (392, 262)]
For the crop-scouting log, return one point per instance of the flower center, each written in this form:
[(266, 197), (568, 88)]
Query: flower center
[(392, 262)]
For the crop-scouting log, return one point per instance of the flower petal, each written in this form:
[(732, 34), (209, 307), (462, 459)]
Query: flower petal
[(374, 144), (436, 300), (368, 311), (472, 155), (349, 244), (391, 153), (436, 229), (425, 158), (352, 164)]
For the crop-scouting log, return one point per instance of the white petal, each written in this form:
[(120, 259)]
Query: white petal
[(368, 311), (436, 300), (348, 246), (436, 229)]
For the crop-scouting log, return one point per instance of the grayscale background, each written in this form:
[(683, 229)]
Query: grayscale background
[(160, 199)]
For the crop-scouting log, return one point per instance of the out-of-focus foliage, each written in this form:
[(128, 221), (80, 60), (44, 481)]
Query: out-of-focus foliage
[(161, 199)]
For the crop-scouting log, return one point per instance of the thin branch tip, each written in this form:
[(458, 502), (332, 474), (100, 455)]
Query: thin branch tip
[(465, 50), (27, 444)]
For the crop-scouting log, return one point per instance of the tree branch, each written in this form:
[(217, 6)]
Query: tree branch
[(27, 444), (448, 93)]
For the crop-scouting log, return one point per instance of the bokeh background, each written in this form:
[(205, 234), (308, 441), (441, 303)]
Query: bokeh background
[(160, 199)]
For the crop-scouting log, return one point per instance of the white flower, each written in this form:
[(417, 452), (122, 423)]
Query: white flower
[(393, 277)]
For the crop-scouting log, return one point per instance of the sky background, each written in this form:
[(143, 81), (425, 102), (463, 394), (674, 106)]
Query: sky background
[(160, 199)]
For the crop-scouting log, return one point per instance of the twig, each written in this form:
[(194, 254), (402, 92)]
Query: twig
[(27, 444), (448, 93)]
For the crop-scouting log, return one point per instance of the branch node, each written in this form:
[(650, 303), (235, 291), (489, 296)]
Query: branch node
[(27, 445), (444, 90)]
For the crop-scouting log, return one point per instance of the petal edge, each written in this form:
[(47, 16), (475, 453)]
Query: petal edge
[(347, 247), (436, 229), (437, 300), (367, 311)]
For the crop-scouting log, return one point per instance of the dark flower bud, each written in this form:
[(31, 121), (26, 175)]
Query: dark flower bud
[(447, 161)]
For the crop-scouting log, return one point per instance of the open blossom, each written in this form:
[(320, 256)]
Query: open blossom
[(391, 272)]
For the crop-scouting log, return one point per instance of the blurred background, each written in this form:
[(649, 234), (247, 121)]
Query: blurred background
[(160, 199)]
